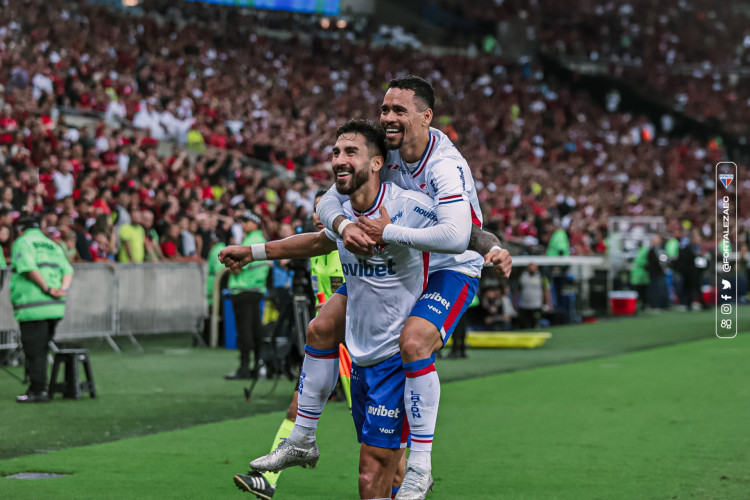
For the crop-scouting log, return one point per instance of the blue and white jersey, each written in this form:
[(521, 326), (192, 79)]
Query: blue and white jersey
[(443, 175), (383, 289)]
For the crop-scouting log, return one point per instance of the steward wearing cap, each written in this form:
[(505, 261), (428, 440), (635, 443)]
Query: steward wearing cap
[(41, 276), (248, 289)]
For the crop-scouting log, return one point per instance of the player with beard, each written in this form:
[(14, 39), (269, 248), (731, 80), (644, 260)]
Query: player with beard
[(390, 281), (421, 159)]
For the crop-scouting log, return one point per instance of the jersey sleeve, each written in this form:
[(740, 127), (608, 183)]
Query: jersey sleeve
[(418, 210), (447, 184), (449, 178), (330, 207)]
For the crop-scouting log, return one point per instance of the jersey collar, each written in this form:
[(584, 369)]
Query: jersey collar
[(376, 206), (425, 156)]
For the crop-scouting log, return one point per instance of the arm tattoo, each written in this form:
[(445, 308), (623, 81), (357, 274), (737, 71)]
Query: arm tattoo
[(481, 241)]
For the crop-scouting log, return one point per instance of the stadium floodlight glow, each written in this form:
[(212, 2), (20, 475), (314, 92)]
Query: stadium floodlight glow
[(130, 3), (325, 23), (341, 24)]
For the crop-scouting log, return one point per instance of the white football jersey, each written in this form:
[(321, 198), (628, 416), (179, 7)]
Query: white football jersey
[(383, 289), (443, 175)]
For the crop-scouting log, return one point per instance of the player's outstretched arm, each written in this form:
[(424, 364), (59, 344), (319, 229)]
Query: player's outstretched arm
[(299, 246), (488, 244), (331, 214)]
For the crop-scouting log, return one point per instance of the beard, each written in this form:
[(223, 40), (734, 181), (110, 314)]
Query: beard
[(355, 181), (394, 145)]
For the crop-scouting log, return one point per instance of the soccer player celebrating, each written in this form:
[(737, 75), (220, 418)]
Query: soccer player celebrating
[(420, 159), (423, 159), (393, 271)]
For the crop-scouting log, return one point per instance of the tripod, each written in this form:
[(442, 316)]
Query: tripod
[(301, 304), (278, 358)]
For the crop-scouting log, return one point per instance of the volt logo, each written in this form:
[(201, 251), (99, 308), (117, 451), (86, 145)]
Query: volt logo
[(383, 430), (301, 381)]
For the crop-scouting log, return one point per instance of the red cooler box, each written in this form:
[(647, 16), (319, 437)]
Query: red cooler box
[(709, 295), (623, 302)]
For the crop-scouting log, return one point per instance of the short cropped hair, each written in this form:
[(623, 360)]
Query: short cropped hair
[(374, 135), (421, 87)]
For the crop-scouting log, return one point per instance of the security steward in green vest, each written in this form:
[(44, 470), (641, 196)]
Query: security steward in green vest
[(41, 276), (248, 289)]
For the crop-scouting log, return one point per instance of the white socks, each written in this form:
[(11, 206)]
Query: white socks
[(320, 371), (421, 399)]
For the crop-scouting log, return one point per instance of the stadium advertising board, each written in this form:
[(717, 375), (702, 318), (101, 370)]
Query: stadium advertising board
[(328, 7)]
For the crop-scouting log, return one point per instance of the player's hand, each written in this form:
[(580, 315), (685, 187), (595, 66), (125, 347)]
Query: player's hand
[(57, 292), (500, 260), (357, 241), (374, 227), (235, 257)]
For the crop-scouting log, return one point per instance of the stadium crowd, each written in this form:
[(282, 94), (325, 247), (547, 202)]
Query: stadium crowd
[(230, 97), (688, 53)]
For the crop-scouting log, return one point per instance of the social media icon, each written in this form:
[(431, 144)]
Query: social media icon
[(726, 309), (725, 285), (726, 297)]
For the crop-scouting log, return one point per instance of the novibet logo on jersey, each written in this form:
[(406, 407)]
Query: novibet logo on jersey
[(382, 411)]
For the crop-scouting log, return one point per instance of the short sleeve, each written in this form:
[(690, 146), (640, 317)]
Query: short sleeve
[(448, 181)]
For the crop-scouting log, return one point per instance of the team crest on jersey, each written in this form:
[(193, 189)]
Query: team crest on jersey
[(379, 247), (726, 179)]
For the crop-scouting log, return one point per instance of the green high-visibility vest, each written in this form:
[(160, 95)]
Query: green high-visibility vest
[(214, 266), (672, 247), (327, 271), (253, 276), (638, 273), (558, 244), (33, 251)]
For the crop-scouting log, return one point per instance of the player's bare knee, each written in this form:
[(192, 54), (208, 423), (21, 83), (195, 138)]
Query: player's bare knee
[(414, 347), (321, 334)]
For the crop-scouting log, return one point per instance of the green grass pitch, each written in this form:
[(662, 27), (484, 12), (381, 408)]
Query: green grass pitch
[(618, 409)]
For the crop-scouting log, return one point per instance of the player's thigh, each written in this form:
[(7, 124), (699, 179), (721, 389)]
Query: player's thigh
[(378, 404), (326, 330), (436, 313), (419, 339)]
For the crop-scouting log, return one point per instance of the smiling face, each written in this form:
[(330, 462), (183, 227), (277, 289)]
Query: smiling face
[(351, 162), (404, 117)]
